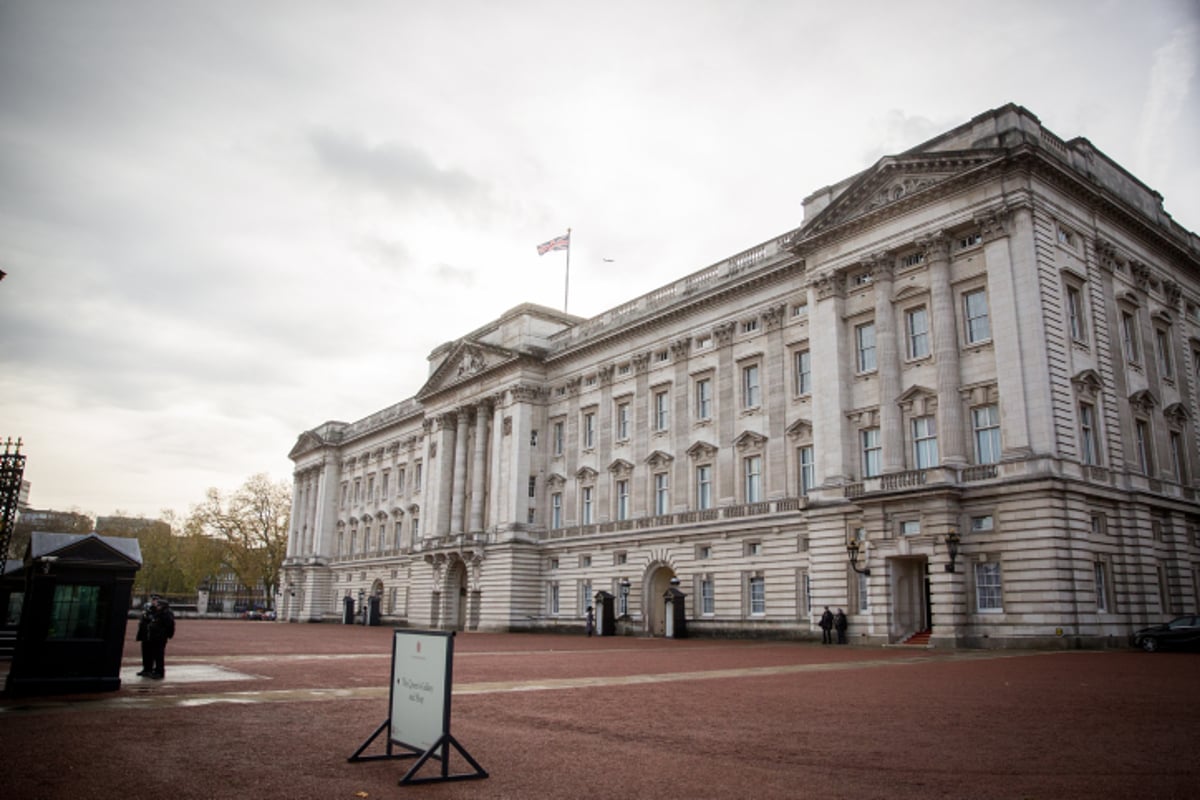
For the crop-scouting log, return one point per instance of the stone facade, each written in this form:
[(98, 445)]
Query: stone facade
[(993, 337)]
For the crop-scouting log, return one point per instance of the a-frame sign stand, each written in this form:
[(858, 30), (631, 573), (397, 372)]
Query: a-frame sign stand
[(419, 707)]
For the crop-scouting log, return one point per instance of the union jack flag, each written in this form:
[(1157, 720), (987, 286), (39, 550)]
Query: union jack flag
[(557, 243)]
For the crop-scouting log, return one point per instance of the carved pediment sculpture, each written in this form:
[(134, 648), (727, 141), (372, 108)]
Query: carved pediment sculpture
[(750, 440), (702, 451)]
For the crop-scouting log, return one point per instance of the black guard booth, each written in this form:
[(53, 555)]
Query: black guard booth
[(71, 634), (675, 614), (606, 624)]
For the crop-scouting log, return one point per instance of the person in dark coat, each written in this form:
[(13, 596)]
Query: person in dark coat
[(147, 652), (591, 620), (159, 629), (839, 623), (826, 624)]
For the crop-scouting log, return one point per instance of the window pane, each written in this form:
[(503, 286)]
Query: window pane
[(918, 333), (865, 337), (978, 326)]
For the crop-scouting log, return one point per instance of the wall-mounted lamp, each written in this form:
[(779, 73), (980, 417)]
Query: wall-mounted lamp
[(852, 548), (952, 540)]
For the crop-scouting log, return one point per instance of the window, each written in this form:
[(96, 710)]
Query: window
[(872, 454), (1075, 321), (585, 597), (1141, 436), (556, 510), (1066, 237), (910, 527), (400, 481), (808, 469), (754, 548), (1178, 465), (917, 325), (620, 557), (925, 451), (589, 430), (417, 472), (662, 494), (416, 527), (750, 390), (704, 398), (704, 486), (803, 372), (976, 314), (557, 434), (985, 421), (1101, 586), (1099, 525), (758, 596), (533, 486), (860, 279), (662, 355), (384, 488), (533, 438), (1162, 347), (78, 612), (586, 502), (1129, 336), (864, 592), (864, 336), (752, 469), (707, 604), (661, 411), (1089, 452), (622, 499), (987, 587), (585, 561), (553, 599), (750, 325), (984, 522), (970, 240), (800, 310), (806, 588), (704, 551), (622, 421), (370, 488), (704, 342)]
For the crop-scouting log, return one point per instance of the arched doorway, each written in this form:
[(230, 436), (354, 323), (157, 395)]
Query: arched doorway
[(658, 580), (456, 596), (910, 597)]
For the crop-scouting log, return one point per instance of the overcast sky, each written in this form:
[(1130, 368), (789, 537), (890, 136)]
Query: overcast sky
[(225, 223)]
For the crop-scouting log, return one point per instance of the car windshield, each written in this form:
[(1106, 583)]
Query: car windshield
[(1182, 622)]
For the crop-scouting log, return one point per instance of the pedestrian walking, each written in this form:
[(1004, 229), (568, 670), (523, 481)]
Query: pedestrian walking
[(147, 650), (839, 623), (826, 624), (591, 620), (160, 627)]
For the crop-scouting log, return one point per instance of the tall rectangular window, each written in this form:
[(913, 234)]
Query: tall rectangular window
[(988, 590), (1178, 464), (383, 489), (1089, 443), (704, 398), (1129, 336), (985, 421), (1101, 586), (552, 600), (622, 499), (808, 469), (917, 323), (975, 312), (704, 486), (864, 593), (1075, 321), (589, 431), (1162, 346), (803, 372), (1145, 454), (556, 510), (418, 471), (758, 595), (750, 390), (661, 411), (662, 494), (586, 511), (707, 598), (925, 450), (864, 338), (752, 467), (622, 421), (872, 454), (533, 486), (585, 597), (557, 435)]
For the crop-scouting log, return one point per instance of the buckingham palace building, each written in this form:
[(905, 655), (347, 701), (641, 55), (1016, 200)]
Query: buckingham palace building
[(959, 401)]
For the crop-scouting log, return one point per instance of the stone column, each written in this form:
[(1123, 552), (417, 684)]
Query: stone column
[(774, 397), (726, 479), (888, 352), (834, 446), (479, 467), (295, 534), (951, 444), (458, 489), (680, 425)]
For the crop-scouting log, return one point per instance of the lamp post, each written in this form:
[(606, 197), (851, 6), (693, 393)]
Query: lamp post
[(852, 548), (952, 540)]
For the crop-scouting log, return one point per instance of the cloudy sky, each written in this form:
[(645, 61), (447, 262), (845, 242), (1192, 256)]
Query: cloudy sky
[(224, 223)]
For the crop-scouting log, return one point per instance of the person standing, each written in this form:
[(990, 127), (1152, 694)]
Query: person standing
[(147, 652), (591, 620), (159, 629), (826, 624), (839, 623)]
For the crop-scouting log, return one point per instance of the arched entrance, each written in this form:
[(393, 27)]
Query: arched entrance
[(910, 597), (658, 580)]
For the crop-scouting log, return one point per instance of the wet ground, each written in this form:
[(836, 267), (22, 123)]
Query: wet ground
[(268, 710)]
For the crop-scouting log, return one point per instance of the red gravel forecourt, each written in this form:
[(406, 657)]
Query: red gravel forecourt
[(270, 710)]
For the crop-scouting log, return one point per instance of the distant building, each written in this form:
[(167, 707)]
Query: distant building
[(977, 362)]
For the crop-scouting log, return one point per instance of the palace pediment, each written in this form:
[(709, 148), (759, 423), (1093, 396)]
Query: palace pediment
[(466, 361), (895, 181)]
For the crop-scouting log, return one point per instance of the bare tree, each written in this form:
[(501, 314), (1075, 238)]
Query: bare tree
[(252, 523)]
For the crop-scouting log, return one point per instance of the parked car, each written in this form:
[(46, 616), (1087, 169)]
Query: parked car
[(1181, 633)]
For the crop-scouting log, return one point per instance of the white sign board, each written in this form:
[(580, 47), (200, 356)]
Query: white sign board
[(420, 687)]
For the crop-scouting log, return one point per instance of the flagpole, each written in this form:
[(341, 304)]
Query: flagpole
[(567, 282)]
